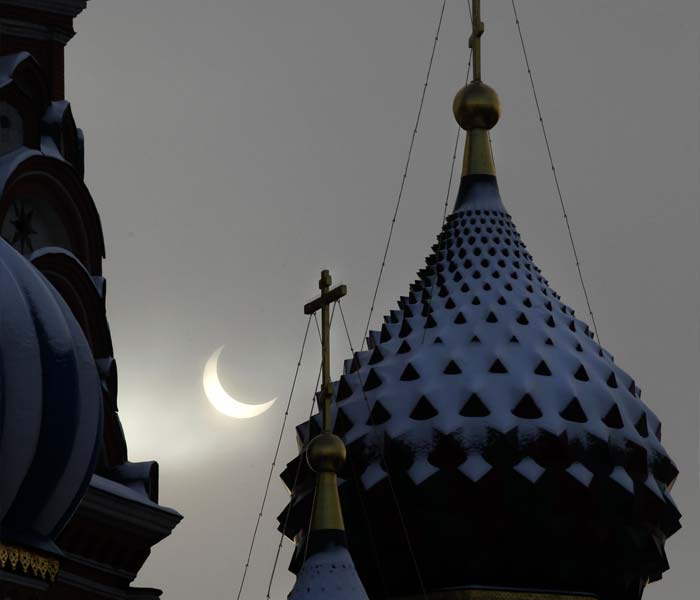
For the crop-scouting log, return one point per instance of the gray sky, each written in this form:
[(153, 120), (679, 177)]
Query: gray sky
[(236, 148)]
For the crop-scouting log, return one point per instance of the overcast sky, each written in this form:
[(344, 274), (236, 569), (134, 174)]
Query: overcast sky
[(235, 148)]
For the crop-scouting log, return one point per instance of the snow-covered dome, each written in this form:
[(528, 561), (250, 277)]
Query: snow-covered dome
[(514, 441), (50, 406), (491, 441), (328, 572)]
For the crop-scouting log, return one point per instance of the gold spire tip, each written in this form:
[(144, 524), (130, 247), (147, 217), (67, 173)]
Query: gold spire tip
[(476, 108)]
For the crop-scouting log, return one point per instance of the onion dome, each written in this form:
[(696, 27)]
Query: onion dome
[(492, 441), (50, 407), (513, 440)]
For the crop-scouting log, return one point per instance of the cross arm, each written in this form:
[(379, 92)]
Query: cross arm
[(326, 298)]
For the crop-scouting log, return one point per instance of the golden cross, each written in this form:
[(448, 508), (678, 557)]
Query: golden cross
[(327, 297), (475, 38)]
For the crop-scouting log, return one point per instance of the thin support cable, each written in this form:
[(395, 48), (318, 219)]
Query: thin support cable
[(274, 460), (298, 470), (368, 523), (442, 226), (405, 174), (395, 497), (452, 167), (318, 329), (294, 485), (449, 184), (554, 171)]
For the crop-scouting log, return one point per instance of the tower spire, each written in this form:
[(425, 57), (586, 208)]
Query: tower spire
[(477, 108), (327, 564), (326, 452)]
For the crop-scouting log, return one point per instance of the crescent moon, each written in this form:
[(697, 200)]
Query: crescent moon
[(220, 400)]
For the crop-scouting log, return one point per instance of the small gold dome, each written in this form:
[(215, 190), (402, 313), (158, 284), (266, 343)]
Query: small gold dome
[(326, 453), (476, 106)]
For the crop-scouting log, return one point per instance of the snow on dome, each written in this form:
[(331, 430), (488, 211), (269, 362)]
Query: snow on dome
[(50, 407), (501, 419), (329, 573)]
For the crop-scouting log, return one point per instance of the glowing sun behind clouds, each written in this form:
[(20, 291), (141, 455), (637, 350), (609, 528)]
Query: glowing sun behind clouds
[(219, 398)]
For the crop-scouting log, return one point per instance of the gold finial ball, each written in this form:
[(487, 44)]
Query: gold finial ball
[(476, 106), (326, 453)]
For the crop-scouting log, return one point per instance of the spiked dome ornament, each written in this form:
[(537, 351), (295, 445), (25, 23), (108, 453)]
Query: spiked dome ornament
[(492, 442)]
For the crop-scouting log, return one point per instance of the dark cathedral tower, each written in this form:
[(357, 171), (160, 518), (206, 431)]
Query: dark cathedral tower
[(495, 450), (77, 519)]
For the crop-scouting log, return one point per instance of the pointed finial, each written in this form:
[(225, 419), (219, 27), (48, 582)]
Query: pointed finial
[(327, 563), (477, 108), (326, 452)]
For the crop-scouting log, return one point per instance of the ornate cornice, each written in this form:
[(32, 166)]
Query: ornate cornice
[(114, 528), (35, 31), (71, 8), (150, 520), (20, 560)]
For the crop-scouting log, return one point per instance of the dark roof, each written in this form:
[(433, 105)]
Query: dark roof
[(483, 390)]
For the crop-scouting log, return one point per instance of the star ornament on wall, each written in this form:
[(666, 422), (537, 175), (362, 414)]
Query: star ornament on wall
[(22, 238)]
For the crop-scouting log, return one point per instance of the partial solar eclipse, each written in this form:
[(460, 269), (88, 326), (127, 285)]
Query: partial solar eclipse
[(220, 400)]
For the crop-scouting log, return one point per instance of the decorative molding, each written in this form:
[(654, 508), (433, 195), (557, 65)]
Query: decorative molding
[(9, 579), (77, 582), (148, 519), (86, 585), (19, 560), (110, 570), (34, 31), (71, 8)]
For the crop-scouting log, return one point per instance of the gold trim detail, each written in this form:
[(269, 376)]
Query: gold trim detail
[(27, 562), (327, 513), (478, 156)]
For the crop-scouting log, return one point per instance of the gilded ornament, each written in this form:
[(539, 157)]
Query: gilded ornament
[(326, 453), (476, 108), (25, 559), (30, 563), (52, 570)]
